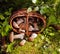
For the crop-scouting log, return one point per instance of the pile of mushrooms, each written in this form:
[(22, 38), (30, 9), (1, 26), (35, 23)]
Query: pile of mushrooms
[(26, 24)]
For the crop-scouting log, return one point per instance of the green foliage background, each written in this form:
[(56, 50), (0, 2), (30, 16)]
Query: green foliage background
[(46, 43)]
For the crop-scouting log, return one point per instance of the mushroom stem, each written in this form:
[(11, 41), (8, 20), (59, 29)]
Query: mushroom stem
[(20, 21), (21, 36), (31, 28), (21, 30), (11, 36), (15, 24), (36, 26)]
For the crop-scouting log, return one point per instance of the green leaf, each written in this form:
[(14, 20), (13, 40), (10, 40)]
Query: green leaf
[(10, 9), (2, 17), (3, 33), (51, 34), (7, 28), (52, 20), (44, 9), (0, 26), (10, 47), (7, 13), (29, 9), (48, 40), (54, 52), (34, 1), (36, 8), (37, 2), (58, 20)]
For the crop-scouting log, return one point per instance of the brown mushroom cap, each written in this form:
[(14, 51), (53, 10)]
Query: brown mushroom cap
[(31, 39), (22, 42)]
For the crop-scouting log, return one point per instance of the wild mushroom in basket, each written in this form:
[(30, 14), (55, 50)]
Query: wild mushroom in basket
[(19, 21), (31, 28), (15, 24), (22, 27)]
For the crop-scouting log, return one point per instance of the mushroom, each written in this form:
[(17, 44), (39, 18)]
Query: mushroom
[(15, 24), (33, 36), (12, 36), (22, 42), (21, 30), (31, 28), (20, 21), (22, 27), (35, 26), (21, 36)]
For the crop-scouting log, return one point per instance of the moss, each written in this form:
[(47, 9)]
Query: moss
[(38, 46)]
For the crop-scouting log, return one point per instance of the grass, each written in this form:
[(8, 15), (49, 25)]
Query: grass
[(41, 45)]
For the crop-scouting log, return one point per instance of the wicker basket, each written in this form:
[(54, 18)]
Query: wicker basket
[(23, 13)]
